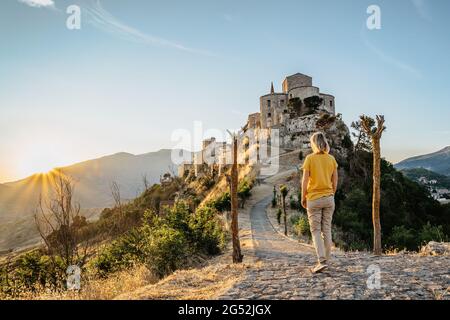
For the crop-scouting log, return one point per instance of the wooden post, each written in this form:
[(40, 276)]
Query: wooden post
[(375, 134), (376, 197), (237, 255)]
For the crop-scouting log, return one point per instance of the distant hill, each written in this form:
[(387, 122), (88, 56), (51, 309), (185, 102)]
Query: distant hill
[(93, 180), (438, 162)]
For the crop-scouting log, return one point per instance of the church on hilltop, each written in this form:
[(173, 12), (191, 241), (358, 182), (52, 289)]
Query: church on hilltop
[(298, 98)]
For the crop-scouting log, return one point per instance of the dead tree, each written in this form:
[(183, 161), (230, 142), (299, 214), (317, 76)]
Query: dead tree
[(237, 255), (59, 221), (119, 222), (145, 182), (375, 133)]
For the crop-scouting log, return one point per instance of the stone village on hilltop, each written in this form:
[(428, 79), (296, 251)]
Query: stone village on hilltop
[(290, 116)]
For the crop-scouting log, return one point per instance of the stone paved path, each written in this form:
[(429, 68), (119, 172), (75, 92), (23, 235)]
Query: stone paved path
[(283, 271)]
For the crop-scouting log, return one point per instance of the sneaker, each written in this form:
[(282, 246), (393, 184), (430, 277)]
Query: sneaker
[(319, 268)]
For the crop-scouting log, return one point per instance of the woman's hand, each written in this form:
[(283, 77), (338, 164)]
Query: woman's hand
[(304, 204)]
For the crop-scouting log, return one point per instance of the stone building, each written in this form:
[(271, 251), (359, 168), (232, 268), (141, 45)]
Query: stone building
[(275, 108), (289, 117)]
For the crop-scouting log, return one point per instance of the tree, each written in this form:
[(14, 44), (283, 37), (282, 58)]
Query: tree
[(295, 107), (274, 198), (312, 104), (284, 191), (362, 142), (237, 255), (375, 133), (145, 182), (58, 221), (325, 122), (244, 192)]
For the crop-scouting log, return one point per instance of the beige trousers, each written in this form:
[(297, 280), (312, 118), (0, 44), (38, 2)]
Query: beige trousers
[(320, 214)]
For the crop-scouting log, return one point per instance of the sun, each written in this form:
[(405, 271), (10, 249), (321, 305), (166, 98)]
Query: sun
[(38, 158)]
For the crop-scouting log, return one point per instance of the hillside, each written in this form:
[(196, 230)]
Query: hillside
[(437, 161), (93, 180), (277, 267), (415, 174)]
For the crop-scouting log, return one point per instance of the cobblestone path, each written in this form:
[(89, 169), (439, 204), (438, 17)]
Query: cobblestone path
[(282, 271)]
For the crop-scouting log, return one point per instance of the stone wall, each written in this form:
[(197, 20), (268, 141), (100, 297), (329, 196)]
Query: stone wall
[(272, 107)]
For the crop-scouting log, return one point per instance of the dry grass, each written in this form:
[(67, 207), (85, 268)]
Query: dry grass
[(196, 284), (99, 289)]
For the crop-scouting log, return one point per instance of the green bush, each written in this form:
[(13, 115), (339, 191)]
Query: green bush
[(279, 214), (302, 226), (403, 238), (274, 202), (294, 203), (294, 218), (165, 243), (33, 271), (165, 250), (244, 191), (122, 253), (431, 233), (207, 231), (222, 203)]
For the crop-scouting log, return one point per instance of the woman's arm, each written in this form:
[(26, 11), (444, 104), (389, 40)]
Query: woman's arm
[(334, 180), (304, 187)]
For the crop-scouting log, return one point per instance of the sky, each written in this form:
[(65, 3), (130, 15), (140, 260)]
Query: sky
[(138, 70)]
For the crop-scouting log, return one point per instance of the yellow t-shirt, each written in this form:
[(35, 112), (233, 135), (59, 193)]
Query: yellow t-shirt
[(321, 167)]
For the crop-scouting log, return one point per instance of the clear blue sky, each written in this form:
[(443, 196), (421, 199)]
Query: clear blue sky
[(137, 70)]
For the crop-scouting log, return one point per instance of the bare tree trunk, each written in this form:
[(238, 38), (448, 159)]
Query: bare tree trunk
[(284, 216), (237, 255), (376, 197), (375, 133)]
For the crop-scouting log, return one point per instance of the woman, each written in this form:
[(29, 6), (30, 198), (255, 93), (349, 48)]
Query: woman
[(320, 178)]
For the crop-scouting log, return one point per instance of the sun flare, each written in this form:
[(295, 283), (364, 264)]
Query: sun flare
[(38, 159)]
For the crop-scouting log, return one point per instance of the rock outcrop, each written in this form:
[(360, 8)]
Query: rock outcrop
[(436, 248)]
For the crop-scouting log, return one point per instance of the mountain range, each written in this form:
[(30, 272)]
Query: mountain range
[(437, 162), (92, 179)]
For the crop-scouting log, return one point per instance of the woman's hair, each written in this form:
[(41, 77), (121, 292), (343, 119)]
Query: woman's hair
[(319, 143)]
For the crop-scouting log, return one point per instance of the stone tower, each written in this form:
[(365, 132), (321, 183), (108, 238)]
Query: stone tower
[(273, 106)]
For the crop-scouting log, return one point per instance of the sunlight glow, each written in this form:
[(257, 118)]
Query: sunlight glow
[(38, 158)]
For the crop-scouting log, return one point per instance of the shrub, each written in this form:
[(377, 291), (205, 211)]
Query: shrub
[(302, 226), (33, 271), (294, 203), (431, 233), (208, 234), (403, 238), (165, 243), (279, 213), (122, 253), (222, 203), (294, 218), (244, 191), (274, 198), (165, 250)]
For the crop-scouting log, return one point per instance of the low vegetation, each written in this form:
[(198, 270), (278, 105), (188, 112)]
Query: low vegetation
[(409, 216), (165, 229)]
